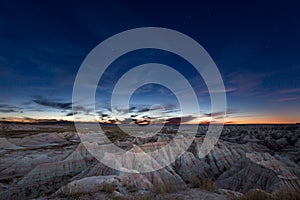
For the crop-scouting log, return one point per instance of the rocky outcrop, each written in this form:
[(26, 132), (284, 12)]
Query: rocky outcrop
[(6, 145), (223, 155), (245, 157), (261, 171), (87, 185), (46, 177), (187, 166)]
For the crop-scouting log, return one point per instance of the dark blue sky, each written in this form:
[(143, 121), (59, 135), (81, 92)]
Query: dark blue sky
[(254, 44)]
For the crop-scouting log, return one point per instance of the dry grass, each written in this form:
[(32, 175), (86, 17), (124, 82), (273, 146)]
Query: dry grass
[(147, 196), (257, 195), (205, 184), (261, 195), (108, 187), (130, 186), (287, 195), (166, 187)]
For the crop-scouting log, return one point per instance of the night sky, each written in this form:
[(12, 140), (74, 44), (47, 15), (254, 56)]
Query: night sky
[(255, 46)]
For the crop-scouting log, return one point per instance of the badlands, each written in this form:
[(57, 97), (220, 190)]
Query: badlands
[(49, 161)]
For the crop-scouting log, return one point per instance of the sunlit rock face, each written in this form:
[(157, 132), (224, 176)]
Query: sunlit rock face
[(51, 162)]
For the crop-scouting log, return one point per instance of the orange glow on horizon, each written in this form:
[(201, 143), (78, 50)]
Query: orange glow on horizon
[(228, 122)]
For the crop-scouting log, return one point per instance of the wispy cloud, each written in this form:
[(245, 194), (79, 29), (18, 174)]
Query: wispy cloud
[(286, 99), (245, 84), (214, 114), (220, 113), (178, 120), (8, 111), (71, 114), (63, 106), (5, 108), (53, 104), (289, 91)]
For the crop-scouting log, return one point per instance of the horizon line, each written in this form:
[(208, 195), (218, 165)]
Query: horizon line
[(53, 121)]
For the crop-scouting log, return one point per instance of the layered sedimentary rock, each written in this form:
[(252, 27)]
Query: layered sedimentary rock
[(261, 171), (245, 157), (48, 176)]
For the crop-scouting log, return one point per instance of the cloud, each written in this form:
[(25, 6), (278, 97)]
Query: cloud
[(109, 121), (139, 114), (123, 111), (54, 104), (5, 108), (144, 110), (142, 120), (8, 111), (104, 115), (167, 108), (227, 90), (214, 114), (178, 120), (286, 99), (33, 120), (170, 107), (72, 114), (139, 109), (245, 84), (63, 106), (220, 113), (84, 110), (231, 122), (288, 91)]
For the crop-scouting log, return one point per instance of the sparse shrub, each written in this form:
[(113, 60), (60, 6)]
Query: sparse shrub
[(194, 181), (169, 187), (143, 197), (166, 187), (108, 187), (256, 195), (146, 196), (131, 187), (262, 195), (205, 184), (287, 195), (157, 188), (245, 189)]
